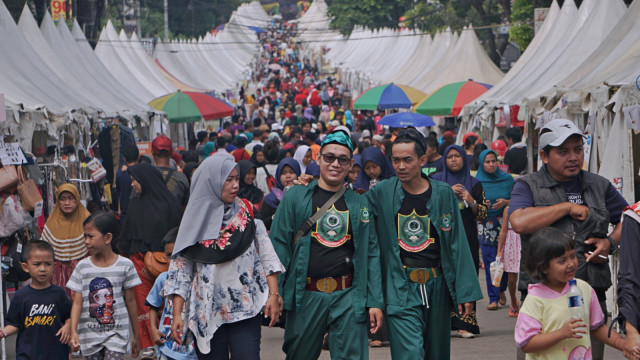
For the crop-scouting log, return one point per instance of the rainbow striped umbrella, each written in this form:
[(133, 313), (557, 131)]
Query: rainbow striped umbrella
[(188, 106), (449, 99), (390, 96)]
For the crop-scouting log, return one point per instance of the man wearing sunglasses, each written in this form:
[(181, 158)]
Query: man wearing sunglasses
[(425, 254), (333, 282)]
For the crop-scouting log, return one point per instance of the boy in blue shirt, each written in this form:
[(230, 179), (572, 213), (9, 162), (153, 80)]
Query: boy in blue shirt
[(160, 333), (40, 312)]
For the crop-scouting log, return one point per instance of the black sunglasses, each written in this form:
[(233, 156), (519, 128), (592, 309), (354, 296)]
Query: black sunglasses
[(330, 158)]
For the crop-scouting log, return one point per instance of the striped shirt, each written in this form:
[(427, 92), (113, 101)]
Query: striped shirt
[(65, 249), (104, 320)]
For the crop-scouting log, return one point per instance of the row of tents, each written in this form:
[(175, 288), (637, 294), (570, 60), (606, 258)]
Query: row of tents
[(581, 65), (53, 80), (369, 58)]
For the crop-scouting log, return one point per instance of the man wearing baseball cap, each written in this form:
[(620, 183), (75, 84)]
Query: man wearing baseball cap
[(564, 196), (176, 181), (333, 282)]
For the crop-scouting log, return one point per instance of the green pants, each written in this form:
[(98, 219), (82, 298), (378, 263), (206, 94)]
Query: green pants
[(416, 332), (320, 313)]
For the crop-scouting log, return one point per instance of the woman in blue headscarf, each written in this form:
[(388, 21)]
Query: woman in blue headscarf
[(497, 187), (375, 166), (288, 170), (472, 209)]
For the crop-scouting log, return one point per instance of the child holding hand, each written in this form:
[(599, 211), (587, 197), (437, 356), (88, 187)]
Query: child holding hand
[(168, 349), (545, 329), (39, 312), (103, 302)]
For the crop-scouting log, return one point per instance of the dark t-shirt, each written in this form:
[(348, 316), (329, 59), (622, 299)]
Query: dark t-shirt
[(433, 167), (39, 315), (516, 159), (331, 239), (417, 237), (522, 197)]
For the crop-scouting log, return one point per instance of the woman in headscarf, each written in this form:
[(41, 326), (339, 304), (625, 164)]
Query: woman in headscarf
[(248, 190), (303, 157), (325, 116), (189, 169), (472, 209), (224, 264), (375, 167), (207, 149), (497, 187), (64, 231), (288, 170), (150, 216), (308, 114)]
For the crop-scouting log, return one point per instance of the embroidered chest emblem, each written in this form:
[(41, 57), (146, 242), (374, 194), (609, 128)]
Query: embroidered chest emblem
[(332, 229), (445, 222), (414, 232)]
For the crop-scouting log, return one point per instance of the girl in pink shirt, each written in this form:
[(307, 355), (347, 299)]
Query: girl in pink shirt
[(545, 329)]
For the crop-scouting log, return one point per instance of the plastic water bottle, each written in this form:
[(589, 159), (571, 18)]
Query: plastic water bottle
[(576, 301)]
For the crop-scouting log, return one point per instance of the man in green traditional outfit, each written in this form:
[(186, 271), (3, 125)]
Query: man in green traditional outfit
[(425, 255), (333, 282)]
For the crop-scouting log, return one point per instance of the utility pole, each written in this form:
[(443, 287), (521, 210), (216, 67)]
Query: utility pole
[(166, 20), (138, 24)]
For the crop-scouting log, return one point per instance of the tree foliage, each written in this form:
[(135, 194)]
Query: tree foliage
[(521, 31), (373, 14)]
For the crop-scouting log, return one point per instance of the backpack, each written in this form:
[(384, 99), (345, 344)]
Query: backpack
[(271, 181)]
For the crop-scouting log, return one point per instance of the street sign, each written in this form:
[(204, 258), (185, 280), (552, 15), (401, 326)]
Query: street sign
[(59, 9)]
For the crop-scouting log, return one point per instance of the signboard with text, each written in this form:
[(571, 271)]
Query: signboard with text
[(59, 9)]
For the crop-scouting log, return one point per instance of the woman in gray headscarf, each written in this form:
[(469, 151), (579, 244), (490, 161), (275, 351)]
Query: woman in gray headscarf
[(223, 261)]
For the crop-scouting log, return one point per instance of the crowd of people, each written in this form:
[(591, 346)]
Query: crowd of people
[(301, 213)]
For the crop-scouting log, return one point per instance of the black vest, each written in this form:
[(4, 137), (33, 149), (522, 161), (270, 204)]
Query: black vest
[(546, 192)]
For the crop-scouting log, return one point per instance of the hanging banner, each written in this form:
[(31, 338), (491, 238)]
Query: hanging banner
[(59, 9)]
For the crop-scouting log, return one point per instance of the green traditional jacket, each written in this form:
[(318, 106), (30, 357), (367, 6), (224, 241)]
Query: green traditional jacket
[(293, 211), (457, 264)]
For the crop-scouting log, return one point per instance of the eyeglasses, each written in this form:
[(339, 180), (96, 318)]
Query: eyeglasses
[(330, 158), (67, 199)]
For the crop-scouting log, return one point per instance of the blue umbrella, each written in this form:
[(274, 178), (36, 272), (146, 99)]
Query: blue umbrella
[(404, 119)]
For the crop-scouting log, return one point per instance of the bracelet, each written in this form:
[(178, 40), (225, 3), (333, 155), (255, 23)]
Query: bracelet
[(274, 293)]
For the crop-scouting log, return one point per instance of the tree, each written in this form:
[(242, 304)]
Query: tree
[(521, 31), (374, 14)]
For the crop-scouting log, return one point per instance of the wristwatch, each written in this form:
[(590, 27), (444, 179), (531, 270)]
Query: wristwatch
[(614, 246)]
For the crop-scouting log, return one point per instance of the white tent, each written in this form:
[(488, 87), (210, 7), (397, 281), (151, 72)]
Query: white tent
[(130, 64), (57, 47), (25, 78)]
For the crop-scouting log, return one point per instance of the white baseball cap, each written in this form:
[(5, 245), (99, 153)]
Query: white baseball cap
[(557, 132)]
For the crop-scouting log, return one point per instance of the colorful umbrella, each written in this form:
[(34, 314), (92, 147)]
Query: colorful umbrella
[(449, 99), (388, 96), (404, 119), (190, 106)]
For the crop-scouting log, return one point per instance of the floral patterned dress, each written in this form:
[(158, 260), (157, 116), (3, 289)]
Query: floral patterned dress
[(224, 293)]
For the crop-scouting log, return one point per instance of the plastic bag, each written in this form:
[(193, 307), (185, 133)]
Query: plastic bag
[(496, 269), (12, 217)]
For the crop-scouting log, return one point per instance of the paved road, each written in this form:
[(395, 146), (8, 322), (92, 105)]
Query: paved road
[(495, 342)]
